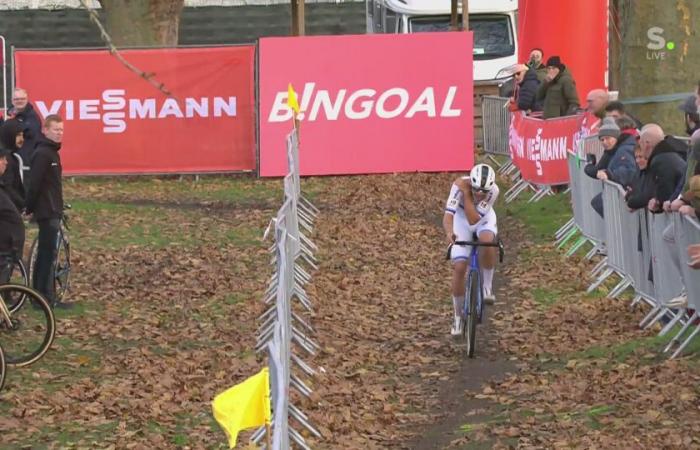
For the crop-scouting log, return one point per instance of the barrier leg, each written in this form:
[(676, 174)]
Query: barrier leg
[(651, 314), (660, 314), (686, 342), (672, 323), (598, 267), (677, 338), (604, 276), (581, 241), (620, 287), (564, 229), (494, 160), (568, 236)]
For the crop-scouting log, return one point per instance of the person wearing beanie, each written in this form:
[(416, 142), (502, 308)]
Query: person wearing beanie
[(557, 93), (617, 163), (11, 140)]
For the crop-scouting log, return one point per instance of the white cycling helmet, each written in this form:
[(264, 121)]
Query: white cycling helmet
[(483, 177)]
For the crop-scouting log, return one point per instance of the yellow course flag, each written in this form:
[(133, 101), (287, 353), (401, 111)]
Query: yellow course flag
[(292, 99), (245, 405)]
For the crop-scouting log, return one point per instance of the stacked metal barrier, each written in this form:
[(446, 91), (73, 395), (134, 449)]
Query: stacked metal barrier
[(496, 118), (282, 330), (639, 247)]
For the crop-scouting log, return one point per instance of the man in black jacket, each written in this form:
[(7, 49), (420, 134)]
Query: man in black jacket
[(666, 163), (11, 227), (24, 113), (45, 202), (11, 139), (528, 83)]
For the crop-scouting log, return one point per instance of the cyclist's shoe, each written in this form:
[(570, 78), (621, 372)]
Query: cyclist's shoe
[(489, 298), (456, 326)]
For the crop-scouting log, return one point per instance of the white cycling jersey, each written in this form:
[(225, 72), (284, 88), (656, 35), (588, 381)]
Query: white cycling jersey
[(461, 227), (455, 202)]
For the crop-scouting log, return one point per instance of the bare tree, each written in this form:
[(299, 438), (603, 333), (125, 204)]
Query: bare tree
[(142, 22), (656, 54)]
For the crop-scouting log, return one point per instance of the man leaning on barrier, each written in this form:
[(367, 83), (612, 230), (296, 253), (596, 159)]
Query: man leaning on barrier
[(640, 189), (558, 91), (666, 163), (617, 163)]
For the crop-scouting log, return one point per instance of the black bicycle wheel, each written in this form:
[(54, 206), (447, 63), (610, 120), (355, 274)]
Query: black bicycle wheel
[(27, 333), (472, 318), (14, 300), (3, 368), (62, 268)]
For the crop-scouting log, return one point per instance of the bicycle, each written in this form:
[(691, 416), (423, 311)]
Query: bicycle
[(473, 309), (27, 323), (62, 266)]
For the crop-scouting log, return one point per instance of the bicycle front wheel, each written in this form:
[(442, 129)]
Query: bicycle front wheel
[(27, 333), (472, 316), (62, 268)]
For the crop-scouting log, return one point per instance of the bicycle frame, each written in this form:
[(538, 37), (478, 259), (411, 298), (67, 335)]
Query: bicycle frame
[(474, 270)]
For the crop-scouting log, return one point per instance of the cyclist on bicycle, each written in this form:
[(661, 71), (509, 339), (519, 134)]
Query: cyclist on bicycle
[(469, 212)]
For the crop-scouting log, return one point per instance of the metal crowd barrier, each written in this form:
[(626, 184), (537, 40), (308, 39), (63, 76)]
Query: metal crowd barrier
[(496, 119), (636, 249), (281, 329)]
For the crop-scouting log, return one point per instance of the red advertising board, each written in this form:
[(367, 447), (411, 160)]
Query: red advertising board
[(539, 147), (369, 103), (118, 123)]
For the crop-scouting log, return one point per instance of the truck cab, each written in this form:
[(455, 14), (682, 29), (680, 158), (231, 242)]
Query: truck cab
[(493, 23)]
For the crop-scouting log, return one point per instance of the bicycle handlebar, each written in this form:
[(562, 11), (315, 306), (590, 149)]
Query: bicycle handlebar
[(499, 244)]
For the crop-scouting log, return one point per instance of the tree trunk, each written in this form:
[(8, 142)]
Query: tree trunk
[(142, 22), (659, 55)]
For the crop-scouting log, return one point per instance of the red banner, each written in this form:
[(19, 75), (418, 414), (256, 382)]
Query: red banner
[(539, 147), (370, 103), (118, 123)]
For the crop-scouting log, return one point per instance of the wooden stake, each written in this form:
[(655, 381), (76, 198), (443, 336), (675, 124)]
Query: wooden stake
[(268, 436), (465, 15), (453, 15), (298, 25)]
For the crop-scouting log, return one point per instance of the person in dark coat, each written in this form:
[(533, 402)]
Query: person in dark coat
[(558, 91), (616, 109), (12, 231), (666, 163), (617, 163), (640, 189), (24, 113), (691, 114), (45, 203), (11, 139), (526, 95)]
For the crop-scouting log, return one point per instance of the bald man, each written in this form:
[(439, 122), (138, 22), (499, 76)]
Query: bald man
[(666, 162), (24, 113), (596, 101)]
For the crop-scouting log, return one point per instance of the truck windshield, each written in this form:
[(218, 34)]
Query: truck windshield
[(493, 37)]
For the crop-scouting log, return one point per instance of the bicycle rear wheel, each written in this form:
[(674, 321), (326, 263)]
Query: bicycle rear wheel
[(3, 368), (27, 333), (472, 315)]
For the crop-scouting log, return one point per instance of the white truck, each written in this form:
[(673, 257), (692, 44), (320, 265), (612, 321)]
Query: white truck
[(493, 23)]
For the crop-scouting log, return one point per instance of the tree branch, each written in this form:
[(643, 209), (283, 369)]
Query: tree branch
[(150, 77)]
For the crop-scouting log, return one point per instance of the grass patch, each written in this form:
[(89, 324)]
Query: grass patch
[(545, 297), (542, 218)]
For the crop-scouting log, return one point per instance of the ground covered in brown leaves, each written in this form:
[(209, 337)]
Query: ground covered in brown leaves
[(168, 280)]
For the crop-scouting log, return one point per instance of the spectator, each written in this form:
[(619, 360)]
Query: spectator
[(526, 92), (24, 113), (640, 189), (666, 163), (558, 91), (11, 226), (617, 109), (692, 118), (535, 63), (694, 256), (617, 163), (11, 139), (45, 202), (596, 101), (681, 195)]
